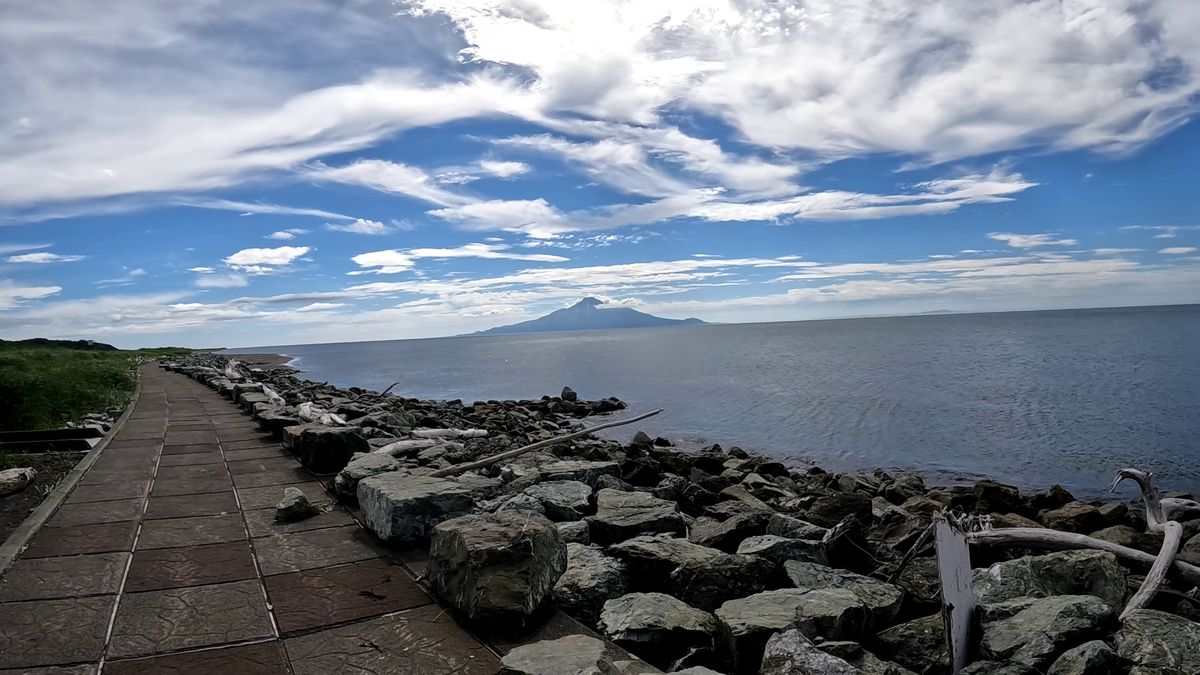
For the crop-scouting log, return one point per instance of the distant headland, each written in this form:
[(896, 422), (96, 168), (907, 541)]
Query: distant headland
[(587, 314)]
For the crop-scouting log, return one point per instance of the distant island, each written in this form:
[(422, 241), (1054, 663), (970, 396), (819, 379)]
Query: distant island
[(588, 315)]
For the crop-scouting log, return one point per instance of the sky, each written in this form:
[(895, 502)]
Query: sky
[(224, 173)]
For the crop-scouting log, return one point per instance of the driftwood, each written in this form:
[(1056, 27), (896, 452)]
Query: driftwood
[(15, 480), (1053, 540), (958, 593), (311, 412), (402, 447), (471, 466), (1172, 537), (449, 433)]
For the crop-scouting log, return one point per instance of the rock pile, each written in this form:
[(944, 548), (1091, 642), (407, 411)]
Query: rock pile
[(718, 560)]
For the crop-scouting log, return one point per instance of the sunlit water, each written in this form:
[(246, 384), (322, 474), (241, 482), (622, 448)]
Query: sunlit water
[(1029, 398)]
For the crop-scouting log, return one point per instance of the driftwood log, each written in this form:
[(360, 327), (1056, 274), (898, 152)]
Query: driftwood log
[(471, 466), (15, 480), (449, 433)]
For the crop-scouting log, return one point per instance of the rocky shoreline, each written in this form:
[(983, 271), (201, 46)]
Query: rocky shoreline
[(719, 560)]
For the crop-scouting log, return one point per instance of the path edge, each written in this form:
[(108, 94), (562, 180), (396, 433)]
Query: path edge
[(19, 539)]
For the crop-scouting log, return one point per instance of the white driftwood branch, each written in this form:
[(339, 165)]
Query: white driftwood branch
[(450, 433), (15, 480), (463, 468), (1173, 535), (958, 594), (1155, 518), (314, 413), (1054, 540), (406, 446), (1173, 505)]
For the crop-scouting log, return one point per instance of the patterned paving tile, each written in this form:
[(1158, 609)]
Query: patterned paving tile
[(77, 624), (72, 576), (70, 515), (316, 548), (189, 437), (253, 452), (95, 476), (261, 522), (267, 497), (332, 595), (192, 472), (189, 486), (108, 492), (158, 569), (157, 622), (99, 538), (190, 459), (190, 448), (259, 659), (422, 640), (183, 506), (177, 532), (281, 476)]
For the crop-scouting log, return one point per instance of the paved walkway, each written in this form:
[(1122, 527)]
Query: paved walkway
[(166, 559)]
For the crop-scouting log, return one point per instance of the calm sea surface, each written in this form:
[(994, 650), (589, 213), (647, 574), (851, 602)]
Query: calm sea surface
[(1029, 398)]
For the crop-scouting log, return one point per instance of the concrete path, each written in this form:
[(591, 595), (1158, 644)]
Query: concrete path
[(166, 559)]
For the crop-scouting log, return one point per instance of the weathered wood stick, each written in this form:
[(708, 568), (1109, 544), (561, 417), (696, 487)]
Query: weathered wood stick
[(1173, 535), (449, 433), (958, 595), (401, 447), (922, 542), (471, 466), (1061, 541), (1150, 496)]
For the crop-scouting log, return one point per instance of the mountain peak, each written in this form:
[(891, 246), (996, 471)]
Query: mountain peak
[(590, 303), (588, 314)]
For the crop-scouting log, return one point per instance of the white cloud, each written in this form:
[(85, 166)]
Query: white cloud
[(263, 260), (387, 176), (13, 248), (503, 169), (285, 235), (1178, 250), (393, 261), (1114, 251), (129, 277), (1030, 240), (43, 258), (201, 270), (221, 281), (387, 262), (535, 217), (254, 208), (11, 294), (359, 226)]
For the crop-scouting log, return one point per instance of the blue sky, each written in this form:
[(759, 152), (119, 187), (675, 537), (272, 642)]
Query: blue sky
[(310, 171)]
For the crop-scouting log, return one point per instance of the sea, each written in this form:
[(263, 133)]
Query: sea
[(1028, 398)]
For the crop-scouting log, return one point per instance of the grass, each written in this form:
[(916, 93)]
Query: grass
[(44, 387)]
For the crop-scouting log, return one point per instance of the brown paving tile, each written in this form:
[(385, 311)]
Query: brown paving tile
[(120, 447), (262, 452), (182, 506), (254, 433), (282, 476), (260, 659), (69, 577), (128, 435), (159, 569), (118, 475), (189, 437), (77, 624), (331, 595), (190, 448), (108, 492), (112, 461), (54, 670), (261, 464), (189, 486), (192, 472), (194, 531), (299, 551), (261, 522), (99, 538), (191, 459), (156, 622), (70, 515), (267, 497), (422, 640), (189, 424)]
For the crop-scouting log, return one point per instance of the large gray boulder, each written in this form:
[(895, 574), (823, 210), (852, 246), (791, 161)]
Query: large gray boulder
[(709, 583), (295, 506), (791, 653), (1089, 658), (727, 535), (579, 470), (1152, 639), (1063, 573), (747, 623), (323, 449), (402, 508), (345, 484), (1073, 517), (865, 661), (496, 566), (882, 599), (622, 515), (571, 655), (1048, 626), (575, 532), (781, 525), (563, 499), (782, 549), (522, 502), (591, 579), (918, 645), (656, 627), (651, 558)]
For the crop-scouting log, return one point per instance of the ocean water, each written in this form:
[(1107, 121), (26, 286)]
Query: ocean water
[(1030, 398)]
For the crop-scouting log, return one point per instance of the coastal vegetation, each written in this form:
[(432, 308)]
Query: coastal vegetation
[(45, 384)]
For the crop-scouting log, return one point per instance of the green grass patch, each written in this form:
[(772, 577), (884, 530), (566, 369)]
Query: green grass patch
[(44, 387)]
